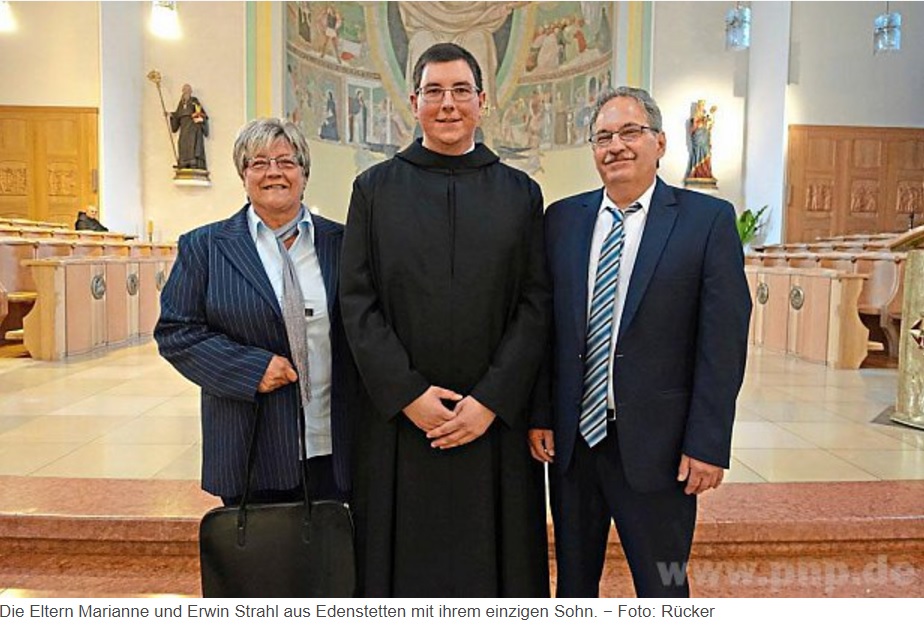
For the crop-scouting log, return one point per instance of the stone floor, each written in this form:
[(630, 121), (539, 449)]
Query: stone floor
[(99, 461)]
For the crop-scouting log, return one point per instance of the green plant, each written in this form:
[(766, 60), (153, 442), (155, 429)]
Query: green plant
[(749, 224)]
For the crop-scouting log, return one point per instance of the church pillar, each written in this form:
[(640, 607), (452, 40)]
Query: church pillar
[(765, 125), (122, 84)]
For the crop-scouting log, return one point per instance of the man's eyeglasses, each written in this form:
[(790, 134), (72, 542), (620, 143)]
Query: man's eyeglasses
[(261, 164), (460, 93), (626, 134)]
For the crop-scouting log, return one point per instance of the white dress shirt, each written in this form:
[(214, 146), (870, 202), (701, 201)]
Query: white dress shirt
[(634, 225), (308, 269)]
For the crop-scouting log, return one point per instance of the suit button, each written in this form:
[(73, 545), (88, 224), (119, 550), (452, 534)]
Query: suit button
[(581, 357)]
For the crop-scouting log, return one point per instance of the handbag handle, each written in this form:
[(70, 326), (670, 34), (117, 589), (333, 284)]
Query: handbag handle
[(251, 460)]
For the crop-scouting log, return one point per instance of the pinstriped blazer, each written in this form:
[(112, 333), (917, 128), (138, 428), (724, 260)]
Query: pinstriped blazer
[(220, 325)]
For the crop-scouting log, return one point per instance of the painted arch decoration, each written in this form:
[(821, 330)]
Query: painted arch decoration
[(347, 67)]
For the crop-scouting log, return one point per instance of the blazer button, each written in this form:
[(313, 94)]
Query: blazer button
[(581, 357)]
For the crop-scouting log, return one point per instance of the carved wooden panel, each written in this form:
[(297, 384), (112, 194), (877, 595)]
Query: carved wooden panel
[(15, 164), (62, 179), (864, 195), (48, 162), (818, 195), (909, 197), (14, 178), (850, 179)]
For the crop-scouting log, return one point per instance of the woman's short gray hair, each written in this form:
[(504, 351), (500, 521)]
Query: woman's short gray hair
[(259, 134)]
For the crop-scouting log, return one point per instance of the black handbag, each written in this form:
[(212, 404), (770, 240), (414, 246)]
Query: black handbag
[(281, 550)]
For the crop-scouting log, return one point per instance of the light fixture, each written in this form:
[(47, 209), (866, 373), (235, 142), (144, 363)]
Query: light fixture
[(738, 28), (7, 21), (164, 20), (887, 32)]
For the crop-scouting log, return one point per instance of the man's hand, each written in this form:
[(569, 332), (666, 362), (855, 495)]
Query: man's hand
[(470, 421), (279, 373), (427, 411), (699, 475), (542, 444)]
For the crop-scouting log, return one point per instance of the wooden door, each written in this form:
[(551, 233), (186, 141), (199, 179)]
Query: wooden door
[(48, 162), (846, 180)]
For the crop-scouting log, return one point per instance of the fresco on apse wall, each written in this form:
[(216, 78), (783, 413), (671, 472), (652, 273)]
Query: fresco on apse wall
[(348, 67)]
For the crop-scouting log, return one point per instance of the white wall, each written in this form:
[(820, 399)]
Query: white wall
[(691, 63), (210, 57), (53, 57), (837, 80), (121, 93)]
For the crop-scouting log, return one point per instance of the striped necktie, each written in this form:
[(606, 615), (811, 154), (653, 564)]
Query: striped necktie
[(600, 331)]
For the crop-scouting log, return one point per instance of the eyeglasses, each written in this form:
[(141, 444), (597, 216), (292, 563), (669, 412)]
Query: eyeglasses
[(627, 134), (261, 164), (460, 93)]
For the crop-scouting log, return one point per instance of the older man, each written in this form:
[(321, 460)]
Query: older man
[(651, 312)]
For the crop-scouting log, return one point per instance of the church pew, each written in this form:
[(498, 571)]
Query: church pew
[(809, 313), (84, 304), (877, 245), (121, 301), (140, 249), (164, 250), (881, 296), (152, 275), (116, 248), (769, 316), (841, 261), (802, 259), (13, 251), (87, 248), (47, 248), (774, 259), (36, 232), (64, 233), (849, 245), (820, 246)]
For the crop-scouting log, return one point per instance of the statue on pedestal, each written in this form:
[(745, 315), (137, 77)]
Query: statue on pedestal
[(192, 122), (699, 167)]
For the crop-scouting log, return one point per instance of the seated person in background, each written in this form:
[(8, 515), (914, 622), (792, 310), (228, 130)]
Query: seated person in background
[(89, 220)]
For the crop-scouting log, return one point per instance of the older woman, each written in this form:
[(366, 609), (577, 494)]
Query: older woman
[(250, 314)]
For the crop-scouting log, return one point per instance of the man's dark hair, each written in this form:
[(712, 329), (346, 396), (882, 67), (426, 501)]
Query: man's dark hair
[(446, 53)]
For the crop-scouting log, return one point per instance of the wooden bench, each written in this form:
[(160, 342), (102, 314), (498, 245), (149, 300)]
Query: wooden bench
[(87, 304), (880, 303), (808, 313), (16, 284)]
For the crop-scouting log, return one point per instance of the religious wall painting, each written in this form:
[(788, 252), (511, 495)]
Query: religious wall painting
[(568, 36), (329, 120), (534, 104), (359, 114)]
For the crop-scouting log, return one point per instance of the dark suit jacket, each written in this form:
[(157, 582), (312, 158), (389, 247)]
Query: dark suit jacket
[(682, 340), (220, 325)]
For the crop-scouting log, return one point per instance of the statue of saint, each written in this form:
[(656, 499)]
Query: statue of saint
[(699, 167), (192, 122)]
